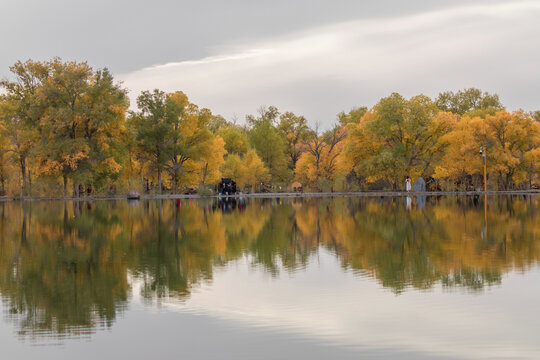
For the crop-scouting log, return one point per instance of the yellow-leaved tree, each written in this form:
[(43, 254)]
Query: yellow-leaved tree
[(209, 166), (234, 168), (254, 170), (319, 164), (511, 138)]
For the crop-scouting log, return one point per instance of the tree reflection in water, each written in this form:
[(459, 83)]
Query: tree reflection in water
[(65, 267)]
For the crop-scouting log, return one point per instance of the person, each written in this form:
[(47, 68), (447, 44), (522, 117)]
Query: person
[(408, 184)]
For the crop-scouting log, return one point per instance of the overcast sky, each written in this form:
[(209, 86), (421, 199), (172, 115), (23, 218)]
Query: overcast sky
[(312, 57)]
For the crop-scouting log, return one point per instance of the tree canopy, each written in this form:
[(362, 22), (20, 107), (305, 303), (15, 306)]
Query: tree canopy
[(64, 123)]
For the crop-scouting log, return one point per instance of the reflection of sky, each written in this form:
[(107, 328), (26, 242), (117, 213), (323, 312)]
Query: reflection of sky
[(318, 312), (328, 305)]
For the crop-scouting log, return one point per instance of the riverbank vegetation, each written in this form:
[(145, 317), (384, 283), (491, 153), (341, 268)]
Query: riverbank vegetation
[(68, 129)]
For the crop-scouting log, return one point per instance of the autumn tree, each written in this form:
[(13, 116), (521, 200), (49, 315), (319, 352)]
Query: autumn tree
[(467, 100), (103, 127), (352, 117), (191, 140), (293, 129), (216, 123), (255, 171), (318, 164), (264, 137), (314, 145), (235, 169), (209, 166), (236, 139), (65, 149), (460, 158), (397, 138), (21, 112), (4, 163), (514, 138), (173, 134), (535, 115), (81, 119), (152, 126)]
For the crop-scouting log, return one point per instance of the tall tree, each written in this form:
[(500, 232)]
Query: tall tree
[(191, 139), (152, 129), (513, 136), (236, 139), (293, 129), (468, 100), (209, 166), (318, 164), (353, 116), (235, 169), (81, 123), (64, 147), (21, 111), (397, 138), (173, 134), (255, 171), (104, 126), (266, 140)]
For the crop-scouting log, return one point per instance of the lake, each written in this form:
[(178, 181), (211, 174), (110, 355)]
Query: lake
[(292, 278)]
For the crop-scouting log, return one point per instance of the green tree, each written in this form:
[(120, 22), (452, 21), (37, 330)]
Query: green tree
[(293, 129), (81, 124), (173, 135), (468, 100), (264, 137), (398, 138), (191, 139), (64, 148), (217, 123), (236, 139), (353, 116), (152, 126), (21, 111)]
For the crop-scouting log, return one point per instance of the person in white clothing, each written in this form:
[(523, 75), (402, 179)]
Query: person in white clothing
[(408, 184)]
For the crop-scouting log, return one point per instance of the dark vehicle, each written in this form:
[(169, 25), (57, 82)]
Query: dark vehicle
[(226, 205), (227, 186)]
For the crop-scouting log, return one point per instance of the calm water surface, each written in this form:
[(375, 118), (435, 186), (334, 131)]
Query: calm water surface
[(344, 278)]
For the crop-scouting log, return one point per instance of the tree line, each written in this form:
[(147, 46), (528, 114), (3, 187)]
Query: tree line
[(66, 128)]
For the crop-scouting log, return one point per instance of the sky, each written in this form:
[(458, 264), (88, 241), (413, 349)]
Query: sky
[(313, 57)]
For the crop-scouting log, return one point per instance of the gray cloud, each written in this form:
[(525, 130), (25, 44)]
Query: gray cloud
[(126, 35), (313, 57), (325, 69)]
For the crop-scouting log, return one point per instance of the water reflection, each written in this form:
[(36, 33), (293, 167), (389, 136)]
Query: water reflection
[(66, 268)]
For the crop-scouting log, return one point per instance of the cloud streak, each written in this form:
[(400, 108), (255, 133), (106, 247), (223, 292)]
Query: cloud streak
[(321, 71)]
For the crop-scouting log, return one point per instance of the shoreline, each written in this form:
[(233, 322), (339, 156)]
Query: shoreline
[(280, 195)]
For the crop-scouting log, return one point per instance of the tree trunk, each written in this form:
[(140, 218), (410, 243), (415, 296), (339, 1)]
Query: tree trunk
[(65, 185), (204, 173), (175, 180), (23, 174), (508, 181)]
